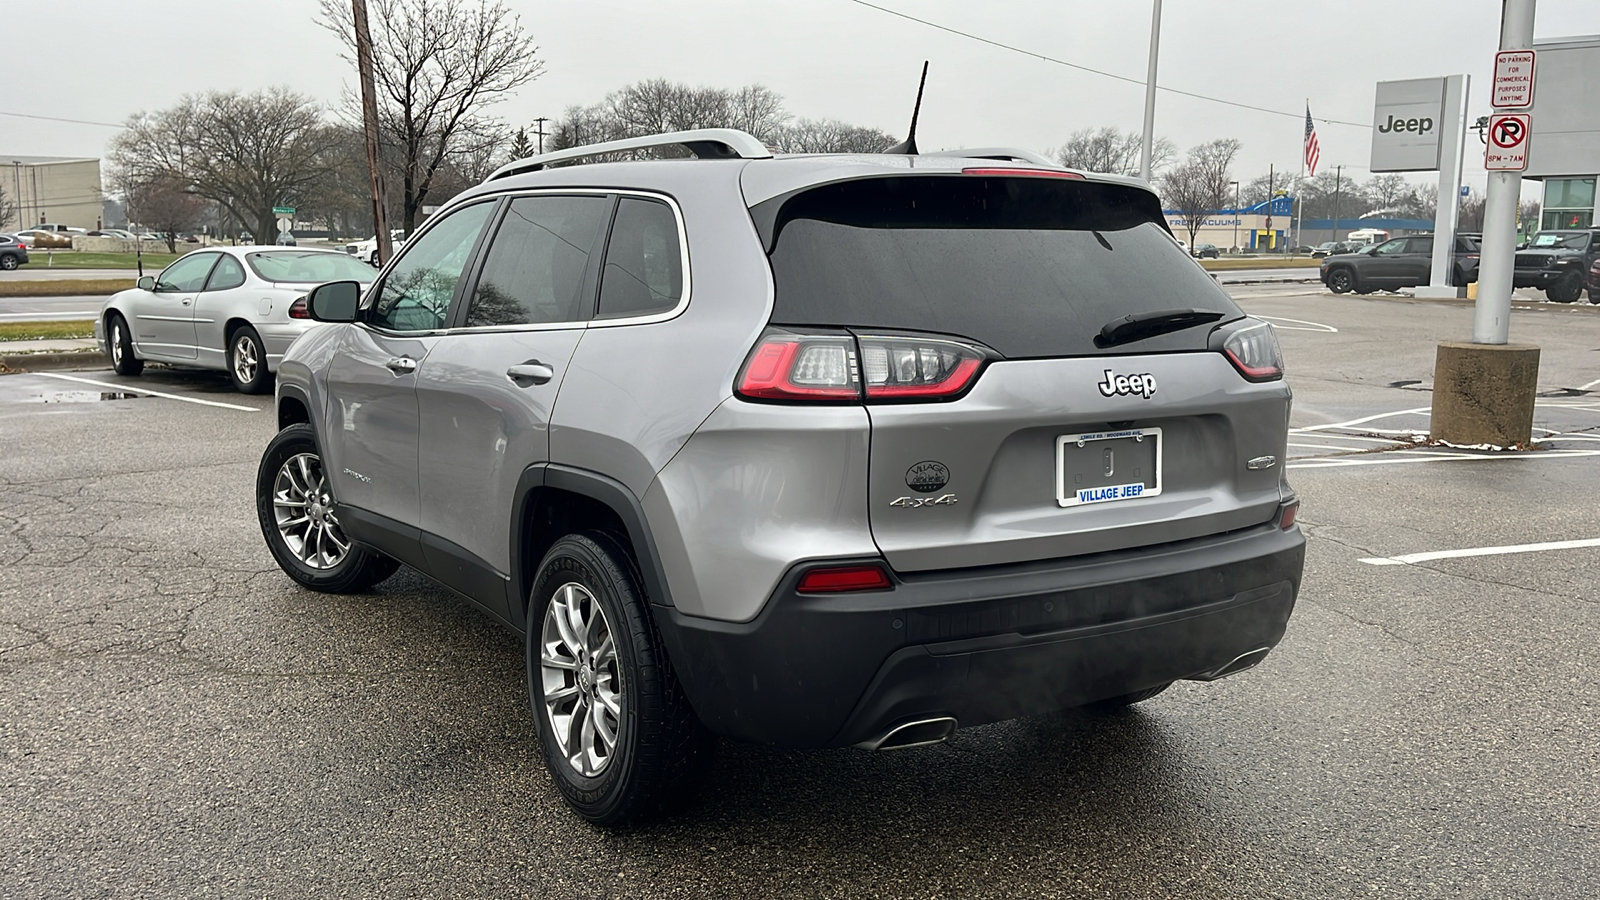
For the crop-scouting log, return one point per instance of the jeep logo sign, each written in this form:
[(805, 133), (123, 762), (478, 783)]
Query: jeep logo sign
[(1119, 385), (1405, 125)]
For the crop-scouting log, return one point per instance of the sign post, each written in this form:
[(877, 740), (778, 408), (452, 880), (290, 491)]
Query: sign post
[(1452, 152), (1483, 391)]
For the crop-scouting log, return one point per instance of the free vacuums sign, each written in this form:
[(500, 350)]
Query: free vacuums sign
[(1406, 122)]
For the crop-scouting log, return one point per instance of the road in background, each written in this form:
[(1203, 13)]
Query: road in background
[(49, 309)]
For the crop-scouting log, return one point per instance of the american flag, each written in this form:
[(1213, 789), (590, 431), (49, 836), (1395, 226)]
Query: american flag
[(1313, 152)]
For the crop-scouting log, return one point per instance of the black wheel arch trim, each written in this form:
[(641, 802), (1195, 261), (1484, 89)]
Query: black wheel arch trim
[(603, 489)]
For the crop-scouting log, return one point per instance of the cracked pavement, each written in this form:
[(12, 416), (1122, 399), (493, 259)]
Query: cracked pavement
[(181, 720)]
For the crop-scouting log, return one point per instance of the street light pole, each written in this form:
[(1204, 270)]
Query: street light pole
[(1148, 149), (1492, 318)]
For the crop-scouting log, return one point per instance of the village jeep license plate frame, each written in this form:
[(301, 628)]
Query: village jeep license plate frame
[(1108, 466)]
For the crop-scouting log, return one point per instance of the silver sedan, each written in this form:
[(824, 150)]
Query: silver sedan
[(231, 308)]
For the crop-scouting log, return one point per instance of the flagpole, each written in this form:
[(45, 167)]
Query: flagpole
[(1299, 199)]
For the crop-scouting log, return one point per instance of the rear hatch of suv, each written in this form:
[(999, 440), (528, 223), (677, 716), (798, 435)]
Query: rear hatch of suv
[(1047, 373)]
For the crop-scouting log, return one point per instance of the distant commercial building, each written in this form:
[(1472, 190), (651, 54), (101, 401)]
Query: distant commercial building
[(1564, 151), (52, 189), (1263, 226)]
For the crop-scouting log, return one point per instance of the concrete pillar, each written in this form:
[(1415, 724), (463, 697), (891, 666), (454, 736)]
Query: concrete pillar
[(1483, 393)]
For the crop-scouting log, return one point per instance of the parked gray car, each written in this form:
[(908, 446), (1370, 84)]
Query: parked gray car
[(813, 450), (233, 308)]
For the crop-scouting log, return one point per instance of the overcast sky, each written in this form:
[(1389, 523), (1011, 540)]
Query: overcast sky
[(102, 60)]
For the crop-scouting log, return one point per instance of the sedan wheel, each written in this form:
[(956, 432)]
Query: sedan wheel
[(247, 362), (8, 262), (120, 341)]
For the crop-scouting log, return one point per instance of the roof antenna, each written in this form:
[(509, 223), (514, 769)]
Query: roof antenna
[(908, 147)]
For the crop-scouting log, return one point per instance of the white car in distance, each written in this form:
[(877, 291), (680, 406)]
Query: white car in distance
[(231, 308)]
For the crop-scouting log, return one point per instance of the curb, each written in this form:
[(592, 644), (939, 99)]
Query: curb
[(1269, 280), (15, 363)]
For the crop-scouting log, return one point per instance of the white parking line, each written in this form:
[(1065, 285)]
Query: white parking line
[(1390, 459), (138, 390), (1589, 385), (1424, 410), (1409, 558)]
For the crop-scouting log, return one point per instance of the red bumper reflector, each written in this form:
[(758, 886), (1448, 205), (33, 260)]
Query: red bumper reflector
[(839, 579), (1287, 515)]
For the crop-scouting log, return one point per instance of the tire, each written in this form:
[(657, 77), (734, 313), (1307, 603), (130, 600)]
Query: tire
[(1566, 289), (1116, 704), (579, 689), (247, 361), (1341, 280), (8, 261), (123, 360), (313, 551)]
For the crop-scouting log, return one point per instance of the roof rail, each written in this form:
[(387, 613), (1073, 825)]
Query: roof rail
[(706, 143), (1003, 153)]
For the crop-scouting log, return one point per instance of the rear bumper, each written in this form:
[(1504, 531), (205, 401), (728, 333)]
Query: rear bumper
[(982, 645)]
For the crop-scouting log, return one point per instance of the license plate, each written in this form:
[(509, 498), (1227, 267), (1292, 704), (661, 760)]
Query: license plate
[(1108, 466)]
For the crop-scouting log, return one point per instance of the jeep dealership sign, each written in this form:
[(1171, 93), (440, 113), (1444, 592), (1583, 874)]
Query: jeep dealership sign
[(1406, 123)]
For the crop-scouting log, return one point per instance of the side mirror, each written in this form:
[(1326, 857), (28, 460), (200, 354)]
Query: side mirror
[(335, 301), (147, 283)]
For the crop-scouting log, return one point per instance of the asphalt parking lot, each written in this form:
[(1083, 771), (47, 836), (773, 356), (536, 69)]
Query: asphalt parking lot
[(181, 720)]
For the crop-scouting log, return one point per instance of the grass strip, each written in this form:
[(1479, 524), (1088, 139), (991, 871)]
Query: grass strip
[(1276, 262), (76, 259), (66, 287), (45, 331)]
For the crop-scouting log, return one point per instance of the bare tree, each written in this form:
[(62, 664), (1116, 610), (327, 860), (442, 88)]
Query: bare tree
[(1202, 184), (658, 105), (165, 205), (1470, 212), (1113, 151), (248, 152), (1387, 191), (831, 136), (1422, 203), (437, 64), (1528, 212), (8, 208)]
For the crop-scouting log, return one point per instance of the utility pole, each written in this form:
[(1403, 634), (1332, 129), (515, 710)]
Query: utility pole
[(1271, 173), (369, 116), (539, 130), (1236, 216), (1338, 173), (1147, 150)]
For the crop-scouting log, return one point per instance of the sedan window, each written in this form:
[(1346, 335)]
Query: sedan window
[(187, 274), (313, 267), (227, 275)]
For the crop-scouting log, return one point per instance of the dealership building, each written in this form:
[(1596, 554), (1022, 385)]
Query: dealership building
[(58, 190), (1564, 150)]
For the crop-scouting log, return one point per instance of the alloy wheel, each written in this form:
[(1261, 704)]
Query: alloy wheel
[(582, 679), (302, 507), (244, 358), (116, 343)]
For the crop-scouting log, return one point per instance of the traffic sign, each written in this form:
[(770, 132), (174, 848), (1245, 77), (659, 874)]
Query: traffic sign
[(283, 210), (1513, 80), (1508, 142), (1466, 189)]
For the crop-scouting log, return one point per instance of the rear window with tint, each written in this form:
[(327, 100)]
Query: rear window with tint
[(1033, 267), (309, 267)]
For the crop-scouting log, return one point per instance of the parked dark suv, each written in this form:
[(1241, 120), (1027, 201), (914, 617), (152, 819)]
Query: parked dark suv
[(811, 450), (1556, 262), (12, 252), (1397, 263)]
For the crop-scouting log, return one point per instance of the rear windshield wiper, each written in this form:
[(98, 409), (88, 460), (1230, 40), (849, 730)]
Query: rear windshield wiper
[(1139, 326)]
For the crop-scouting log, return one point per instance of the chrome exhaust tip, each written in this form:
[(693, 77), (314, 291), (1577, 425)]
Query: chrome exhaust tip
[(1234, 666), (921, 733)]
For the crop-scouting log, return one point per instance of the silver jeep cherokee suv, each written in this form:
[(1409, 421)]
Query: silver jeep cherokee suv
[(814, 450)]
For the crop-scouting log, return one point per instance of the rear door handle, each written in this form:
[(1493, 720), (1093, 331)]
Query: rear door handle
[(402, 365), (534, 372)]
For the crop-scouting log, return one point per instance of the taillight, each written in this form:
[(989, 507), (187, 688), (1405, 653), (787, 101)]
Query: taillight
[(1252, 346), (298, 310), (871, 367), (1287, 514), (1027, 173), (841, 579)]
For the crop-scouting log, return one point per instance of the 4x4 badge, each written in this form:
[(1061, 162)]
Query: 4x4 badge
[(1143, 384)]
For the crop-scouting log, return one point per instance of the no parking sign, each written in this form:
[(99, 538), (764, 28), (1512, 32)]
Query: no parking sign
[(1507, 148)]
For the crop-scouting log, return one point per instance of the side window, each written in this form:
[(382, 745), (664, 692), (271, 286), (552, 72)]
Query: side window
[(1391, 248), (643, 270), (1420, 245), (533, 273), (187, 274), (228, 274), (416, 293)]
